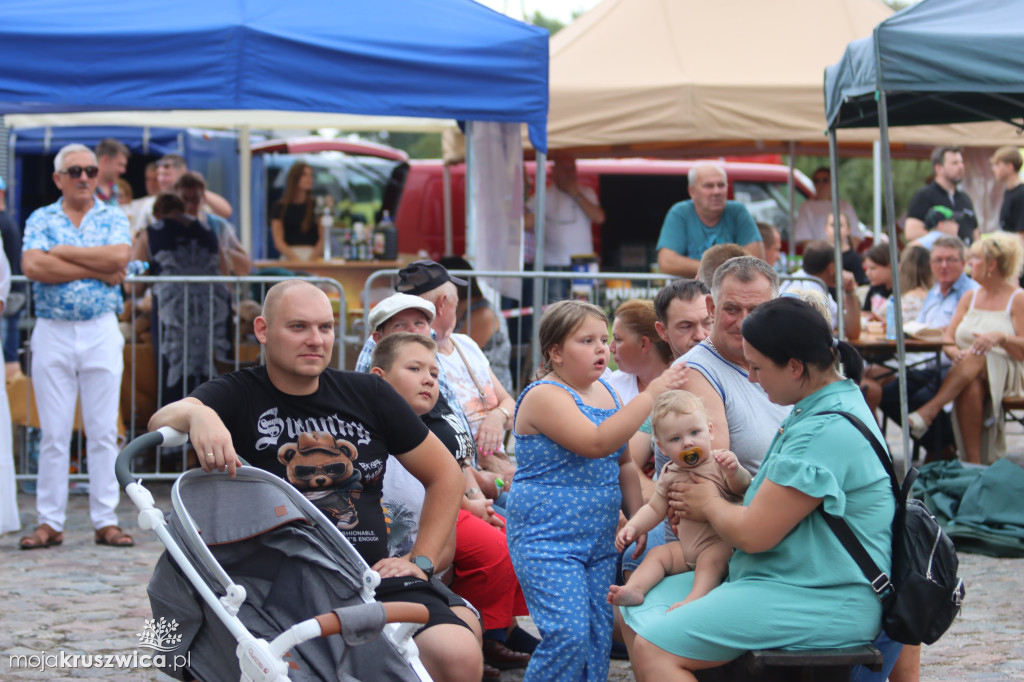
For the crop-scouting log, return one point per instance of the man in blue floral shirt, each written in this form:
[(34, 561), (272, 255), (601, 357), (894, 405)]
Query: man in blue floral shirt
[(75, 252)]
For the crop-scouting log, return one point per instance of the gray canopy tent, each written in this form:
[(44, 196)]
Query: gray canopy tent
[(940, 61)]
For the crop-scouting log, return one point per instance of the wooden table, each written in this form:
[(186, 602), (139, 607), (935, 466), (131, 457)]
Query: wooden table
[(878, 349), (870, 345)]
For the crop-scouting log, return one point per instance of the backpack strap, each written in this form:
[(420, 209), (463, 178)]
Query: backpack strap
[(879, 580)]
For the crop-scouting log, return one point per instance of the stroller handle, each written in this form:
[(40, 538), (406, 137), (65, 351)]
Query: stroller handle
[(165, 435), (394, 612)]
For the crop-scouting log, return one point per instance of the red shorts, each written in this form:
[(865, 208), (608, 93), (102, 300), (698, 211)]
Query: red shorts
[(483, 572)]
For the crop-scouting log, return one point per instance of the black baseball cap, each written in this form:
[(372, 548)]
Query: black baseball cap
[(423, 276)]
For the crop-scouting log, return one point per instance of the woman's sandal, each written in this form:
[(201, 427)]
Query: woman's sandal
[(114, 537), (43, 536), (917, 425)]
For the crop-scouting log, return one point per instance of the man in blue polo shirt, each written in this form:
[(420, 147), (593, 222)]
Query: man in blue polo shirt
[(693, 226), (75, 252)]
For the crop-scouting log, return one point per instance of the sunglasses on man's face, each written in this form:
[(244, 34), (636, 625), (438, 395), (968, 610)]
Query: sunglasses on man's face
[(75, 172)]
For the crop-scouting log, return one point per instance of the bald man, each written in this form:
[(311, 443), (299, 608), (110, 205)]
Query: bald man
[(268, 414)]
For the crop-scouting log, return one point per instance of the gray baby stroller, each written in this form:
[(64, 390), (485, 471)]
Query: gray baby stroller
[(249, 568)]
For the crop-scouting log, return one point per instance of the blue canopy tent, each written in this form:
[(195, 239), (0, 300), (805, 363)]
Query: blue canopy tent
[(940, 61), (449, 59), (426, 58)]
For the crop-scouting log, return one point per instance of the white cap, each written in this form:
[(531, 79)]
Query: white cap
[(396, 303)]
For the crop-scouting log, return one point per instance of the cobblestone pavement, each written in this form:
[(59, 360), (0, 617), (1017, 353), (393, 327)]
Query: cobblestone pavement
[(81, 598)]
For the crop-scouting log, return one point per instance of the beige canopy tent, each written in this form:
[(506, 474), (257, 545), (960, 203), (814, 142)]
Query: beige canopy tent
[(682, 77)]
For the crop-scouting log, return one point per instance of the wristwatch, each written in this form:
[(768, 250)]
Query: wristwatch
[(425, 565)]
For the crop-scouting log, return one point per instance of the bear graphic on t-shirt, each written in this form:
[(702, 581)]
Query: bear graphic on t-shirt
[(321, 467)]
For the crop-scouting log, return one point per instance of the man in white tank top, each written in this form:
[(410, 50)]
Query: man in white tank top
[(743, 418)]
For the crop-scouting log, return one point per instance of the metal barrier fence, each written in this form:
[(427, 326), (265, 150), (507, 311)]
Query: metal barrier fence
[(205, 330), (146, 366), (519, 316)]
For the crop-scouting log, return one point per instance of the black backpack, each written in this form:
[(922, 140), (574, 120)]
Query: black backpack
[(924, 593)]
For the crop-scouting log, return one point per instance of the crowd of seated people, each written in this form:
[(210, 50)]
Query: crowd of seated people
[(743, 374)]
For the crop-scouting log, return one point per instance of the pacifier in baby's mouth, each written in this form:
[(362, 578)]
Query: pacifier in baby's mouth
[(691, 456)]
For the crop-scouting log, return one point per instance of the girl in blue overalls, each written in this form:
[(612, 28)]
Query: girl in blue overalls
[(573, 475)]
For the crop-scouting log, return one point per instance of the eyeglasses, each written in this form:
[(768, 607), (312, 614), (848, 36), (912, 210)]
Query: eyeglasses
[(75, 172), (946, 261)]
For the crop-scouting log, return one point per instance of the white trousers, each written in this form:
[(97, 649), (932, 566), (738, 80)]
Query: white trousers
[(69, 358)]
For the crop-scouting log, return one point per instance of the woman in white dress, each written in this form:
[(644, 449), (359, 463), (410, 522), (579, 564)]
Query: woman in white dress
[(640, 355), (9, 519)]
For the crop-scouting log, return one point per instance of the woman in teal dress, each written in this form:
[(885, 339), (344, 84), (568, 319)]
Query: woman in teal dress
[(791, 583)]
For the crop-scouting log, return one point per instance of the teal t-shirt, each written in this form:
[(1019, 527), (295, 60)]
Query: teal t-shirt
[(684, 233)]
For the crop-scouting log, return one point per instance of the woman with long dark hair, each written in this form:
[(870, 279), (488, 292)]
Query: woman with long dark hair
[(294, 226)]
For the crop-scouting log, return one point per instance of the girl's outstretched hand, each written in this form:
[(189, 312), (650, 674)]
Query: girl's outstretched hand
[(671, 379)]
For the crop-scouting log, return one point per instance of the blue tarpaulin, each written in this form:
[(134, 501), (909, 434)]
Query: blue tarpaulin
[(421, 58), (939, 61), (211, 152)]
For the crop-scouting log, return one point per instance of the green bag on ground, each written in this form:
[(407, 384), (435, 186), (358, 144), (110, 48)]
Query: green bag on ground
[(979, 507)]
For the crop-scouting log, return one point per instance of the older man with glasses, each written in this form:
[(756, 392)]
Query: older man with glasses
[(75, 252), (810, 221), (947, 259)]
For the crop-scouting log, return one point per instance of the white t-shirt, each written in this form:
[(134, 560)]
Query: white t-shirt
[(795, 285), (402, 499), (810, 222), (461, 379), (566, 227), (623, 383)]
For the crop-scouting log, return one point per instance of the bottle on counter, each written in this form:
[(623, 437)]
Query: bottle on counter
[(890, 319), (346, 243), (385, 239)]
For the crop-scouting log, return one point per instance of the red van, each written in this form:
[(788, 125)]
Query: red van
[(634, 193)]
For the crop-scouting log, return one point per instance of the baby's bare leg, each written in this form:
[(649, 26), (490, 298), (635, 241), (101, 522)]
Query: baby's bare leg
[(712, 565), (661, 561)]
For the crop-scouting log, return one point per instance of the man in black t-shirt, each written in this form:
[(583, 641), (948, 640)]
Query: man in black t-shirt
[(1006, 164), (329, 432), (948, 165)]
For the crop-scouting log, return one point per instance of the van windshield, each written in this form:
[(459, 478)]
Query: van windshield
[(357, 185)]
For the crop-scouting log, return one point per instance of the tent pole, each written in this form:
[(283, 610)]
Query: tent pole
[(876, 172), (539, 228), (471, 199), (791, 188), (245, 188), (837, 233), (894, 258), (446, 177)]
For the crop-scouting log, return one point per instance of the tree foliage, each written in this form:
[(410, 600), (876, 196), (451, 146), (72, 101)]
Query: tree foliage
[(552, 25), (416, 145)]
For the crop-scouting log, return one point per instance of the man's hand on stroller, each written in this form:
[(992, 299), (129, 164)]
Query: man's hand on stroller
[(396, 566), (209, 436), (212, 442)]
